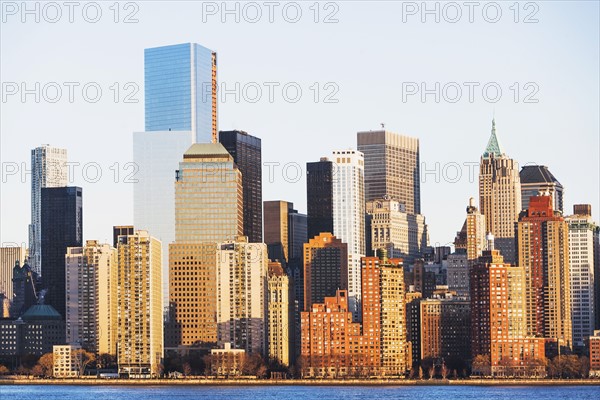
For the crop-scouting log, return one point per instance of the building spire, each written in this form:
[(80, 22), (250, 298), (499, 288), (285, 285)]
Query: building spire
[(493, 146)]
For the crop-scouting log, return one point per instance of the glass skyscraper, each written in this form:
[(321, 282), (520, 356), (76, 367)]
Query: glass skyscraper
[(181, 90)]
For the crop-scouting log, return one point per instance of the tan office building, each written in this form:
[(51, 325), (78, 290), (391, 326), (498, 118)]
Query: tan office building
[(91, 297), (279, 314)]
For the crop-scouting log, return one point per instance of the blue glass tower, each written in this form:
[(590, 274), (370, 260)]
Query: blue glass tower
[(181, 90)]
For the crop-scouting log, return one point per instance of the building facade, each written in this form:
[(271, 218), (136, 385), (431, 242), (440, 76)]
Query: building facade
[(48, 169), (192, 321), (91, 297), (280, 314), (9, 258), (543, 251), (208, 196), (140, 306), (499, 195), (319, 196), (472, 237), (180, 84), (403, 235), (594, 345), (67, 361), (242, 296), (62, 227), (583, 235), (325, 268), (247, 155), (349, 217), (392, 168)]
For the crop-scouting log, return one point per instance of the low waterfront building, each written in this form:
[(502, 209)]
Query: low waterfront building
[(67, 361)]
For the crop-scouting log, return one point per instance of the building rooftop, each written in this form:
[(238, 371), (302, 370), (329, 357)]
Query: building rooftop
[(537, 174), (493, 147), (41, 311), (203, 150)]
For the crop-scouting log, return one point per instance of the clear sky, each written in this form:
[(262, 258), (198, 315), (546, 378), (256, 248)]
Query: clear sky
[(371, 61)]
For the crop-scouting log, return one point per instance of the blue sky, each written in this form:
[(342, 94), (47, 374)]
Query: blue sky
[(370, 57)]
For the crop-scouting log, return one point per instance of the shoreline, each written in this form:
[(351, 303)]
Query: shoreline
[(299, 382)]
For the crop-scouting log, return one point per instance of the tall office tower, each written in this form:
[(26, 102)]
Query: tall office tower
[(139, 300), (192, 296), (413, 326), (319, 196), (276, 228), (62, 227), (445, 329), (297, 237), (48, 169), (156, 156), (499, 195), (181, 90), (392, 168), (458, 275), (384, 313), (583, 234), (543, 250), (9, 257), (120, 230), (91, 297), (242, 295), (498, 316), (349, 217), (24, 281), (246, 152), (536, 179), (325, 268), (402, 235), (208, 196), (279, 315), (472, 237)]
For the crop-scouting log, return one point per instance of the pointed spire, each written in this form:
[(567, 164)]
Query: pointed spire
[(493, 146)]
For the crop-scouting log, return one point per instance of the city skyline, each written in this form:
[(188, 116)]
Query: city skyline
[(519, 124)]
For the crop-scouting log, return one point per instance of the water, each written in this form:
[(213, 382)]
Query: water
[(297, 392)]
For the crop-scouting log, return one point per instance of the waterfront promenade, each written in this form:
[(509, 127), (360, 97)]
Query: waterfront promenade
[(300, 382)]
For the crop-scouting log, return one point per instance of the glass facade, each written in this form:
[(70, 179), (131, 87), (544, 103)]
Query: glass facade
[(180, 90)]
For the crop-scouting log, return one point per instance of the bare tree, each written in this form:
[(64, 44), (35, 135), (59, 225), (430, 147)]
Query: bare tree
[(46, 363), (82, 359)]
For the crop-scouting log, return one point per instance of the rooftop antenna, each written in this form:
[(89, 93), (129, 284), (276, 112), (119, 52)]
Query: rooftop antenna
[(382, 125)]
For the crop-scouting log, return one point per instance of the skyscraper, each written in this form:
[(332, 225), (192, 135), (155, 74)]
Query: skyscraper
[(8, 257), (181, 90), (583, 234), (543, 251), (325, 268), (242, 295), (536, 179), (280, 329), (403, 235), (246, 152), (208, 196), (192, 319), (499, 195), (392, 168), (498, 316), (156, 156), (349, 217), (276, 228), (139, 299), (62, 227), (48, 169), (319, 196), (472, 237), (91, 300)]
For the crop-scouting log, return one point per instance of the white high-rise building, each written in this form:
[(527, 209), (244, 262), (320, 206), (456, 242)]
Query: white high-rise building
[(157, 156), (242, 295), (583, 233), (91, 297), (48, 169), (349, 217)]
